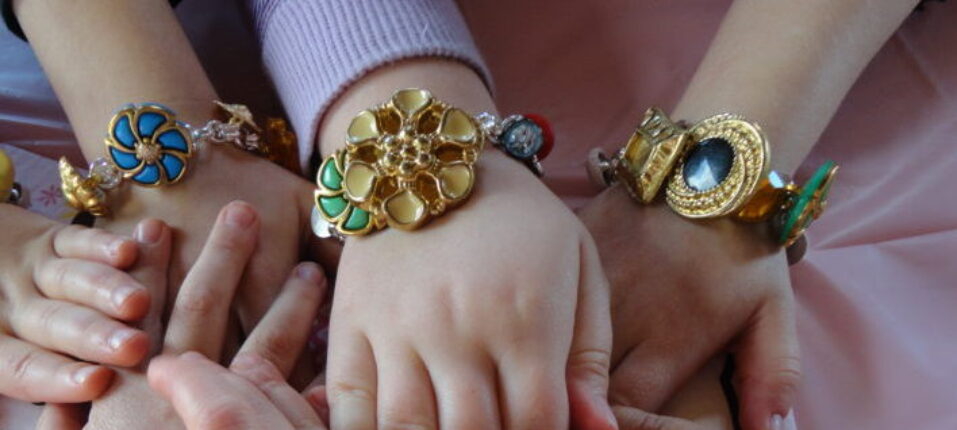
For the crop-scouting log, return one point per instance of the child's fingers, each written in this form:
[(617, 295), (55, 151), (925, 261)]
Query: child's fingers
[(281, 335), (32, 374), (768, 369), (79, 332), (590, 355), (58, 416), (94, 244), (637, 419), (201, 313), (206, 396), (151, 268), (96, 285), (265, 376), (352, 381)]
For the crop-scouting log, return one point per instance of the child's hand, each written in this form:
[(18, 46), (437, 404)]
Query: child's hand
[(495, 315), (251, 395), (190, 208), (201, 314), (61, 287), (683, 291)]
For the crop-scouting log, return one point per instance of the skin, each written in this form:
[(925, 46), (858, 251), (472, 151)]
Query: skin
[(257, 396), (451, 329), (786, 66), (196, 328), (64, 293), (103, 55)]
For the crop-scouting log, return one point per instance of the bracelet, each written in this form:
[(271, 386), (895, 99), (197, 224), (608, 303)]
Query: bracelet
[(412, 159), (147, 145), (527, 138), (10, 191), (717, 167)]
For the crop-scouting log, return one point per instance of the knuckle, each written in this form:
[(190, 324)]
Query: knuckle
[(278, 347), (21, 364), (224, 416), (57, 274), (342, 390), (104, 278), (590, 362), (651, 422), (785, 376), (69, 232), (198, 302), (49, 314), (394, 419)]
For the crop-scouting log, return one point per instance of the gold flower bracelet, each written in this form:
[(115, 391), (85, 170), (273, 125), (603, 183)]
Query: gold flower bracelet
[(412, 159)]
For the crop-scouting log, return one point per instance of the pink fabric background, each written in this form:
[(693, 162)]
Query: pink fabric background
[(877, 292)]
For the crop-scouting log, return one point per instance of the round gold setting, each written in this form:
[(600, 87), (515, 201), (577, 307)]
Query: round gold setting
[(750, 164)]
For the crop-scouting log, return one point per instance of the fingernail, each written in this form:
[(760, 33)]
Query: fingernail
[(120, 337), (121, 294), (149, 231), (113, 248), (309, 272), (789, 422), (192, 355), (239, 215), (82, 374), (779, 422)]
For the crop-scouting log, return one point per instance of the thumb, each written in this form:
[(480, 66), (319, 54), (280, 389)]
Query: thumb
[(588, 361), (62, 417), (768, 368)]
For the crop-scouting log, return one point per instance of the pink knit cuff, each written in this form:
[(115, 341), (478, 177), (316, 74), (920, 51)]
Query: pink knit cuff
[(314, 49)]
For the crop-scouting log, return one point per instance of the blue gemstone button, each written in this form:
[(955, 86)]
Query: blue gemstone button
[(708, 164), (522, 139)]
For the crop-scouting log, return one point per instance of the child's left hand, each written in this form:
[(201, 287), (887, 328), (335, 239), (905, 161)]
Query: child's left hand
[(61, 290), (682, 291), (198, 321)]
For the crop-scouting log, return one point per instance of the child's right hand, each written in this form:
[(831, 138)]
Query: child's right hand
[(62, 288), (493, 317)]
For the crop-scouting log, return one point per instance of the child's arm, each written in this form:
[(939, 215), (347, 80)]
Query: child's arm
[(494, 315), (61, 287), (104, 54), (785, 65)]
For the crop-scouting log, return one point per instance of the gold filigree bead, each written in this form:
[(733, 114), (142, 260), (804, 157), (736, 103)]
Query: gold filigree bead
[(7, 175), (650, 154), (80, 192)]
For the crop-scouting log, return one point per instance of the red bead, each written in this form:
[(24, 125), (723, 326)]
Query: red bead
[(548, 138)]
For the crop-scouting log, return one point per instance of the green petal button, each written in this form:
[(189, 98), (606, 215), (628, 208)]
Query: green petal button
[(332, 206), (331, 178), (358, 220), (819, 181)]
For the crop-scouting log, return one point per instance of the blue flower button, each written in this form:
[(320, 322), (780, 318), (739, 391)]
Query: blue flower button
[(148, 144)]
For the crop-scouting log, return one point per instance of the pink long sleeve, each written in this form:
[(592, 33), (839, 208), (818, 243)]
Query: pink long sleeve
[(313, 49)]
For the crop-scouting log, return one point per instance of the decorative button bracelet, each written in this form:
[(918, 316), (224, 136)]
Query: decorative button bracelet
[(717, 167), (412, 159), (146, 144), (10, 191)]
